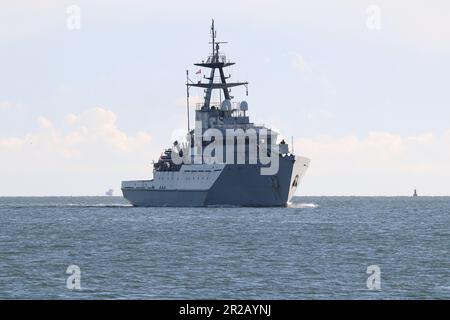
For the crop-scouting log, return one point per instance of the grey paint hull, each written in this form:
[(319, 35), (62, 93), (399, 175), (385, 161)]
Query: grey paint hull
[(165, 198), (237, 185)]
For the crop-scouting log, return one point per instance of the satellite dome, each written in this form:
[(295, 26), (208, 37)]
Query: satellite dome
[(226, 105), (243, 106)]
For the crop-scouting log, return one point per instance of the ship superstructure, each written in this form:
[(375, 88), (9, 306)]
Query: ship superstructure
[(226, 159)]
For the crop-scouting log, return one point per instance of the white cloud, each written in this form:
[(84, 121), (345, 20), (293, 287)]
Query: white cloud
[(298, 62), (380, 164), (85, 145), (70, 118), (94, 128), (45, 123), (313, 74), (8, 105), (10, 143), (98, 126)]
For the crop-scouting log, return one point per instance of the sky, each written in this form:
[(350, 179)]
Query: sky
[(92, 91)]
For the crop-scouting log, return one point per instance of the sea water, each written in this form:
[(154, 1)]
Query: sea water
[(317, 248)]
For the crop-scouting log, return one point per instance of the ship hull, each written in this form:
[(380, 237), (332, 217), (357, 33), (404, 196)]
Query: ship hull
[(165, 198), (237, 185)]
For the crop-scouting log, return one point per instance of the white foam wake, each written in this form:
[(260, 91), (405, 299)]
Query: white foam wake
[(303, 205)]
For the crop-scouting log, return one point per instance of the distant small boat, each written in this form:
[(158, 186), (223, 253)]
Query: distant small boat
[(415, 193), (109, 193)]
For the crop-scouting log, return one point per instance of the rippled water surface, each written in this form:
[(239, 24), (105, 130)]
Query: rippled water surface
[(318, 248)]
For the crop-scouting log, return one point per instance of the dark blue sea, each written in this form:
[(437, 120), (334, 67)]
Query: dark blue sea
[(318, 248)]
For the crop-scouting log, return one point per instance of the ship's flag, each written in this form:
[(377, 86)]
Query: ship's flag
[(199, 71)]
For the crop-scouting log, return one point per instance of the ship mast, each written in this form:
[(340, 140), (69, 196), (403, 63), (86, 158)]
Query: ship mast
[(187, 101), (215, 61)]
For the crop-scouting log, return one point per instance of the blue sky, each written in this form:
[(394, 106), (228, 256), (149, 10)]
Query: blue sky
[(369, 107)]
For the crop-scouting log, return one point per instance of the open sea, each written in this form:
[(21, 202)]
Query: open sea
[(318, 248)]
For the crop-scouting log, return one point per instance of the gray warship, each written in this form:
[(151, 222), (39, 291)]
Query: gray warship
[(185, 176)]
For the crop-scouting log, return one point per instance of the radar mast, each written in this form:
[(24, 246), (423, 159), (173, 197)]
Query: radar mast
[(215, 61)]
